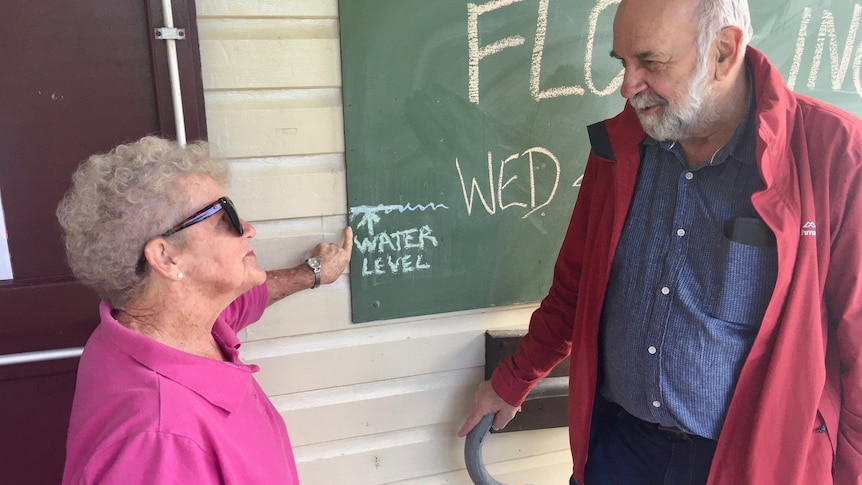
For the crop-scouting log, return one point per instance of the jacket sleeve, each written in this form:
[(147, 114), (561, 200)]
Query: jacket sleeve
[(549, 338), (843, 294)]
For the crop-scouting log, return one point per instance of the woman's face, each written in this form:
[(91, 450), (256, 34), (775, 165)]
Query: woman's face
[(214, 256)]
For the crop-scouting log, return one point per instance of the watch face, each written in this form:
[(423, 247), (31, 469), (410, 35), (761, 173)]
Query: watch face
[(314, 263)]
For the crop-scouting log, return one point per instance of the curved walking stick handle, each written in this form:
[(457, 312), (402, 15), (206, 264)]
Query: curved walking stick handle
[(473, 452), (548, 387)]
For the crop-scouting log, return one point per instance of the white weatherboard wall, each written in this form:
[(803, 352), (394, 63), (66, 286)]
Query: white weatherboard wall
[(372, 403)]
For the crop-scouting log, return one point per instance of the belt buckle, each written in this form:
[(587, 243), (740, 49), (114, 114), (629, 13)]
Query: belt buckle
[(673, 433)]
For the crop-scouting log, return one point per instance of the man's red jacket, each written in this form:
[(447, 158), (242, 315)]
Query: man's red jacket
[(796, 413)]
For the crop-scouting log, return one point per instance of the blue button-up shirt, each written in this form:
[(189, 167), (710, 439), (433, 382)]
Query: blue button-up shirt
[(684, 301)]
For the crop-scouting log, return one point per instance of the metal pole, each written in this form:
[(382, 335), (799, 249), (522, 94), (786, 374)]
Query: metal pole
[(41, 355), (173, 71)]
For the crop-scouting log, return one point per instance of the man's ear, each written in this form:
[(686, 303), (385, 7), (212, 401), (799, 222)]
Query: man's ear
[(160, 256), (728, 51)]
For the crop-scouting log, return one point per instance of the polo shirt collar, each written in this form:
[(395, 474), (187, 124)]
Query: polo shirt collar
[(215, 381)]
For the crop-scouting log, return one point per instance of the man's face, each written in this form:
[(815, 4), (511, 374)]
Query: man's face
[(679, 120), (665, 80)]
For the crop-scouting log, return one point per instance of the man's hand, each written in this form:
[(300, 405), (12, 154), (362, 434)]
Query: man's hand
[(487, 401), (334, 258)]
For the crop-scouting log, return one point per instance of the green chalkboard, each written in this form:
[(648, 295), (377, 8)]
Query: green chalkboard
[(465, 134)]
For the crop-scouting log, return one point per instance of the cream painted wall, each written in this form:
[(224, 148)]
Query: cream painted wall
[(372, 403)]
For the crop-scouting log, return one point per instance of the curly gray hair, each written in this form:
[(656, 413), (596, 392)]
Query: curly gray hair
[(119, 201)]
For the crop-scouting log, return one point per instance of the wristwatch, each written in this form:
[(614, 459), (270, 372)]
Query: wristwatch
[(314, 264)]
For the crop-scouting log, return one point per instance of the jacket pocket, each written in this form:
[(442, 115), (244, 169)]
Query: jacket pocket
[(821, 453)]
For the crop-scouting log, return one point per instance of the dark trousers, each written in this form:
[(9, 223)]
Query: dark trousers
[(627, 451)]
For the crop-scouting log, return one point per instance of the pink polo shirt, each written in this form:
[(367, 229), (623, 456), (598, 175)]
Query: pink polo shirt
[(147, 413)]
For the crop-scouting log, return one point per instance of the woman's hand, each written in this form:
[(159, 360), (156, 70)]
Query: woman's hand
[(334, 258)]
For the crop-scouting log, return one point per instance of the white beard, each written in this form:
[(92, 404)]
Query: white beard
[(682, 122)]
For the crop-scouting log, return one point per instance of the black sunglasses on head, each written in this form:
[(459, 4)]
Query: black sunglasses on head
[(207, 212)]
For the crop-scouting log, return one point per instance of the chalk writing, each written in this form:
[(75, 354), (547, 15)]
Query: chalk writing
[(392, 252), (477, 52), (384, 266), (838, 67), (370, 217), (496, 196), (397, 241), (536, 62), (617, 81)]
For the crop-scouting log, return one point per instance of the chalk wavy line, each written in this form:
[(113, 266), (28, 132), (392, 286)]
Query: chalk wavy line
[(387, 209)]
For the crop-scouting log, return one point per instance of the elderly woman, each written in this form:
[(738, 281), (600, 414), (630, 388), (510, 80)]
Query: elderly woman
[(162, 396)]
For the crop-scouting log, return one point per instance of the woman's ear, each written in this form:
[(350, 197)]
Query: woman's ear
[(160, 255)]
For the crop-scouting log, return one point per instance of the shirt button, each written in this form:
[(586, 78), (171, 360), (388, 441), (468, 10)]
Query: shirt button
[(680, 232), (656, 404), (651, 349), (665, 290), (689, 175)]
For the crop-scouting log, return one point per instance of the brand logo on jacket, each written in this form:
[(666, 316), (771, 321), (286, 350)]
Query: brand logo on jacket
[(809, 229)]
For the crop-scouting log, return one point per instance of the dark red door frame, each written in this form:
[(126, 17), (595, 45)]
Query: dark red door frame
[(41, 275), (70, 86)]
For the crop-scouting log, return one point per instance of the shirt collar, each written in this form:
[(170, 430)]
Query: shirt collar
[(215, 381)]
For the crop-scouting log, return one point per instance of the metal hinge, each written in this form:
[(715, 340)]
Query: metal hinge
[(170, 33)]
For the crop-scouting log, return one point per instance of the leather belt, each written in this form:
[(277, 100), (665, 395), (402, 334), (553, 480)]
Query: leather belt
[(670, 433)]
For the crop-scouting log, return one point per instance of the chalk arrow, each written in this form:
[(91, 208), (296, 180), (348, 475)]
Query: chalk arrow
[(369, 218)]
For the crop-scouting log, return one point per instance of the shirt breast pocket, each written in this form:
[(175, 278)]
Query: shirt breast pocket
[(747, 272)]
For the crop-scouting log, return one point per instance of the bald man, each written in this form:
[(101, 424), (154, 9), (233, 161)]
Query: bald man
[(708, 286)]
